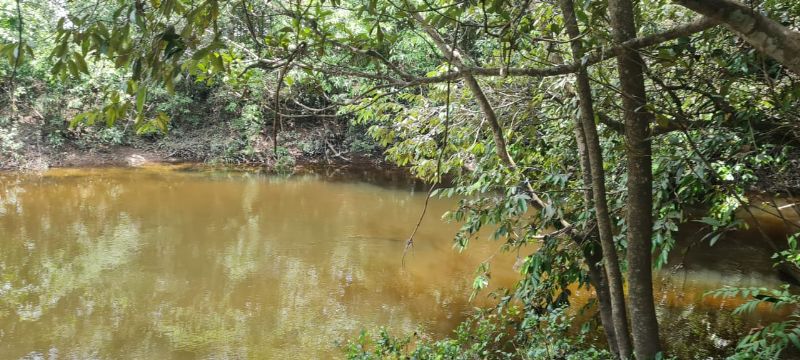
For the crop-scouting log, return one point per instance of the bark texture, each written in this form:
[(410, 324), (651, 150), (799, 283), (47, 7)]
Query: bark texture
[(592, 252), (766, 35), (277, 121), (591, 248), (597, 276), (593, 258), (594, 158), (639, 211)]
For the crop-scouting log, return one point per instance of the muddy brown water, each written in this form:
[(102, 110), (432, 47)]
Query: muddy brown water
[(183, 262)]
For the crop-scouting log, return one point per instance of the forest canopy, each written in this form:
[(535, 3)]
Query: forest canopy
[(597, 126)]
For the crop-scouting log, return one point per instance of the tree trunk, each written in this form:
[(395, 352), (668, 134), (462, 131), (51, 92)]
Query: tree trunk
[(591, 249), (594, 155), (766, 35), (592, 257), (276, 122), (639, 211)]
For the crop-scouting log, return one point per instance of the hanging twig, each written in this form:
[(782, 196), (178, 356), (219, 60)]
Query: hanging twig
[(277, 119), (17, 58), (442, 148), (277, 122)]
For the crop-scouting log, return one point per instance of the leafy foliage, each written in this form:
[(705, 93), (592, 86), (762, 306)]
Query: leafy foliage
[(725, 116), (487, 336), (770, 341)]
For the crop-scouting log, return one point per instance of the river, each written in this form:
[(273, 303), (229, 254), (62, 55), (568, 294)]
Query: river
[(190, 262)]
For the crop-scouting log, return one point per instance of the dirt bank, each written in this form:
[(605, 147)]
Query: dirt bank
[(26, 147)]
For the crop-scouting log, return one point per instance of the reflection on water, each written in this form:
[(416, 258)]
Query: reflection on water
[(167, 263), (157, 263)]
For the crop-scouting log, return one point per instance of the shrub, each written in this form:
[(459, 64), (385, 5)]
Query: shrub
[(487, 335), (772, 340)]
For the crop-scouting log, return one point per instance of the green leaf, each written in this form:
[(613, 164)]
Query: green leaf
[(141, 95), (162, 120), (73, 68), (217, 63), (78, 119), (57, 68), (80, 63), (379, 33)]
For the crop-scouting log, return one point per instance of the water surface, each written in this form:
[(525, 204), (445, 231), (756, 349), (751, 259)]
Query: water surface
[(175, 262), (168, 263)]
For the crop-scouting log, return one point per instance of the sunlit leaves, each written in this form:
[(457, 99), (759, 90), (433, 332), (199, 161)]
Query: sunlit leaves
[(16, 53), (159, 123), (162, 43), (771, 340), (119, 107), (481, 280), (141, 97)]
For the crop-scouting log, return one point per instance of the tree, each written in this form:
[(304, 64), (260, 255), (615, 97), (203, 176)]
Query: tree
[(619, 340), (644, 323), (763, 33), (684, 91)]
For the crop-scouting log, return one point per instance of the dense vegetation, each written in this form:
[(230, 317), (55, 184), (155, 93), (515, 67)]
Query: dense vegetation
[(589, 128)]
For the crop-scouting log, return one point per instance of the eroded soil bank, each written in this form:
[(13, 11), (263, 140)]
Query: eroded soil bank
[(28, 145)]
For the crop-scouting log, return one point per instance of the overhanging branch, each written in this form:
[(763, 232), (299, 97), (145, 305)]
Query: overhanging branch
[(593, 57), (604, 53)]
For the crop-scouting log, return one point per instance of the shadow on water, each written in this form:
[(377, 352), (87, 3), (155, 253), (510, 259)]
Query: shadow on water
[(183, 261), (696, 325), (187, 261), (359, 172)]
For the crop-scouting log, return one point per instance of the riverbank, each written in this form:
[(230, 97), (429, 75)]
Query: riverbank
[(26, 145)]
